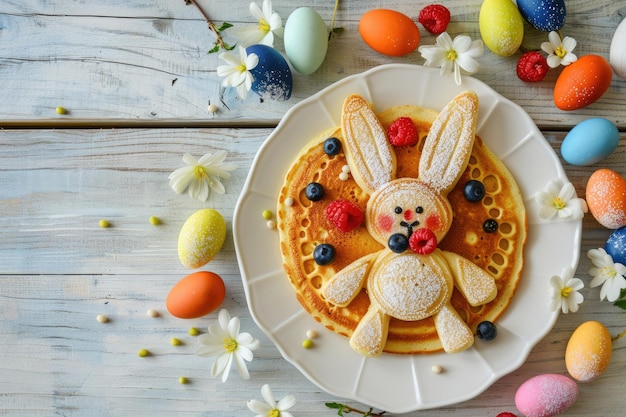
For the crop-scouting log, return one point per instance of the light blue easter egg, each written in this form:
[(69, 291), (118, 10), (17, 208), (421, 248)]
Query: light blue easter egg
[(590, 141)]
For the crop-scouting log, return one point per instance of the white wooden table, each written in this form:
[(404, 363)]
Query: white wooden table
[(136, 79)]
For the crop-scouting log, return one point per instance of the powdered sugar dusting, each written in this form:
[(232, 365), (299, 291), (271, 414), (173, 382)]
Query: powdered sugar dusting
[(368, 152), (452, 331), (449, 143), (343, 287)]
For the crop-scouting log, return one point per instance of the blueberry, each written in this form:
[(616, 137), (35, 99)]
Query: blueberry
[(332, 146), (490, 226), (486, 330), (474, 190), (324, 254), (314, 191), (398, 242)]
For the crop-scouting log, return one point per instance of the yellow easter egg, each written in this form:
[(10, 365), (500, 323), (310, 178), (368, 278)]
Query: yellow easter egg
[(588, 351), (501, 26), (201, 238)]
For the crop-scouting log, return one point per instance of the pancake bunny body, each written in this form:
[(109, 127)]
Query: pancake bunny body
[(411, 279)]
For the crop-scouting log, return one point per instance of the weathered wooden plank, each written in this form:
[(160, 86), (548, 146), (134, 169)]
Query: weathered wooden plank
[(123, 62)]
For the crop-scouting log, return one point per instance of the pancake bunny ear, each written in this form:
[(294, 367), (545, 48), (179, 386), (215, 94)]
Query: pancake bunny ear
[(448, 146), (370, 157)]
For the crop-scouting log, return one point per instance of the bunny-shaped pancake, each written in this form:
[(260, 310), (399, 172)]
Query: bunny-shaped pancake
[(410, 279)]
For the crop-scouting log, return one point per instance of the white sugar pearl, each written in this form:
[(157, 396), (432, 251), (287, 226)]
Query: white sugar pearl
[(271, 224), (437, 369), (343, 176), (288, 202), (102, 318), (212, 108), (345, 169), (311, 334), (152, 313)]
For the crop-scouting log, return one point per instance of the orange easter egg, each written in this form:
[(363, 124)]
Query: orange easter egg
[(606, 198), (389, 32), (196, 295), (582, 82)]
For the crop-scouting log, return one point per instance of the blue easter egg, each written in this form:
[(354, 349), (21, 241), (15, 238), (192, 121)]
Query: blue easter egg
[(272, 76), (616, 246), (590, 141), (545, 15)]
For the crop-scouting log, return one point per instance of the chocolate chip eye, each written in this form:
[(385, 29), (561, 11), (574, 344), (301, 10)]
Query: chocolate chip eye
[(398, 210), (419, 209)]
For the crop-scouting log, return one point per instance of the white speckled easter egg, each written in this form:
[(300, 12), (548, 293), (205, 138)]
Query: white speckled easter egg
[(546, 395), (606, 198), (588, 351), (501, 26), (590, 141), (545, 15), (617, 54), (306, 40), (582, 82), (201, 238), (272, 76)]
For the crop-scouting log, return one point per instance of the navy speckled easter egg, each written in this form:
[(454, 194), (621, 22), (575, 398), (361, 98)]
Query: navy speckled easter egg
[(616, 246), (545, 15), (272, 76)]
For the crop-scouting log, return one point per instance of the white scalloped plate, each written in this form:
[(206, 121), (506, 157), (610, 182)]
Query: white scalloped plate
[(403, 383)]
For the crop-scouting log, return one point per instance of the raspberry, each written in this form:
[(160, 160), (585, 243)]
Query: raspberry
[(532, 67), (434, 18), (344, 215), (402, 132), (423, 241), (506, 414)]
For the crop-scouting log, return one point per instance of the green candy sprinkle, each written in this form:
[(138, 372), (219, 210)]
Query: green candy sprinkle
[(307, 344), (175, 341), (104, 223), (183, 380), (267, 214), (143, 353), (193, 331), (61, 110), (155, 221)]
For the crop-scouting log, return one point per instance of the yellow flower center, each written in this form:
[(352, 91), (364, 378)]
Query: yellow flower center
[(566, 291), (265, 28), (609, 272), (199, 173), (560, 51), (273, 413), (558, 203), (241, 68), (451, 55), (230, 345)]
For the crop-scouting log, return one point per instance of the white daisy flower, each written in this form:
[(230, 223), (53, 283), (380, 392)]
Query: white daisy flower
[(237, 72), (560, 202), (559, 52), (564, 292), (226, 344), (453, 56), (270, 24), (609, 274), (202, 175), (271, 408)]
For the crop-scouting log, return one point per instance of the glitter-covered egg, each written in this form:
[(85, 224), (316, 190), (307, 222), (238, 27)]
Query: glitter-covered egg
[(501, 26), (582, 82), (588, 351), (606, 198), (545, 15), (546, 395), (272, 76), (201, 237)]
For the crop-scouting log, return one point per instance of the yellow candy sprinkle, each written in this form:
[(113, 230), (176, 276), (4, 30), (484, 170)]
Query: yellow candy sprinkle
[(143, 353), (307, 344), (61, 110), (193, 331), (104, 223), (175, 341), (267, 214), (155, 221), (183, 380)]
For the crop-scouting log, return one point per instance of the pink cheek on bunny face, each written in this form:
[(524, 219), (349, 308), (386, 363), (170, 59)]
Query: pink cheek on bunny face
[(433, 222), (384, 223)]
